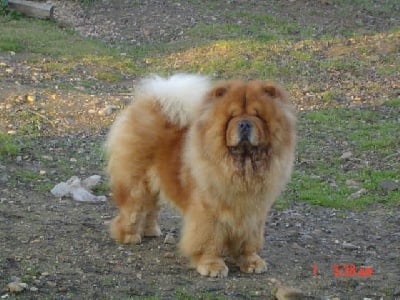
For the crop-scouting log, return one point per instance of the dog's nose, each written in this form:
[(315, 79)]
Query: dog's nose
[(244, 129)]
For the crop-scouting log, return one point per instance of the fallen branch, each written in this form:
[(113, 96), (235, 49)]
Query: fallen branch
[(32, 9)]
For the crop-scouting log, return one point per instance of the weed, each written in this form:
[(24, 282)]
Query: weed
[(8, 146), (6, 11)]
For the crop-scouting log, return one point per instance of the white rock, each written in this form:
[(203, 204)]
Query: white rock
[(346, 155), (91, 181), (169, 239), (83, 195), (79, 190), (357, 194), (349, 246), (16, 287), (60, 190)]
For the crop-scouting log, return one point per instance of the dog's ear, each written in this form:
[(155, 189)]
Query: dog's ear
[(274, 90)]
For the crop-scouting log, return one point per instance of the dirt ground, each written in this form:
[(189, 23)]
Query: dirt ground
[(61, 248)]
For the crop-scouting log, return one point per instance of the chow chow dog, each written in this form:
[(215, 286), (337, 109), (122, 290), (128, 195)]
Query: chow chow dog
[(221, 153)]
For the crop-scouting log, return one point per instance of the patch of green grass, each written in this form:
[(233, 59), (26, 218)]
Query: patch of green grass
[(10, 44), (64, 51), (320, 191), (372, 136), (25, 176), (388, 69), (8, 146)]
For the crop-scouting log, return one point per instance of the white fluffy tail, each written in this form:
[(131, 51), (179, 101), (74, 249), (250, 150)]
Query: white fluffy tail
[(178, 95)]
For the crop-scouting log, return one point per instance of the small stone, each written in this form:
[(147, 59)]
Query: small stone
[(169, 239), (273, 281), (33, 289), (108, 110), (288, 293), (62, 289), (389, 185), (357, 194), (346, 155), (30, 98), (4, 179), (47, 157), (73, 159), (51, 283), (397, 292), (139, 276), (16, 286), (352, 183), (169, 255), (349, 246)]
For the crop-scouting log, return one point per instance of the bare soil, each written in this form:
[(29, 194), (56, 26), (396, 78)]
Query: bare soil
[(62, 248)]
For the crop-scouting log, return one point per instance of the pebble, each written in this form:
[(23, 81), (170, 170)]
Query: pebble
[(389, 185), (30, 98), (288, 293), (47, 157), (169, 239), (352, 183), (349, 246), (169, 255), (16, 286), (357, 194), (51, 283), (346, 155), (108, 110)]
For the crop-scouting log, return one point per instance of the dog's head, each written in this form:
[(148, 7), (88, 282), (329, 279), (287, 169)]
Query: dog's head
[(247, 123)]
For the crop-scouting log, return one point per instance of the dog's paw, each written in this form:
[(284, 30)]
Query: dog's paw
[(123, 234), (252, 264), (152, 231), (132, 239), (214, 268)]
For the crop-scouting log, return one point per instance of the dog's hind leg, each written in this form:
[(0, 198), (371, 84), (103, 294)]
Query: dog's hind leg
[(151, 227), (129, 226)]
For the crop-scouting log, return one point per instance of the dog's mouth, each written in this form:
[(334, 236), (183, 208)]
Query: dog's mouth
[(246, 151), (249, 158), (243, 149)]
